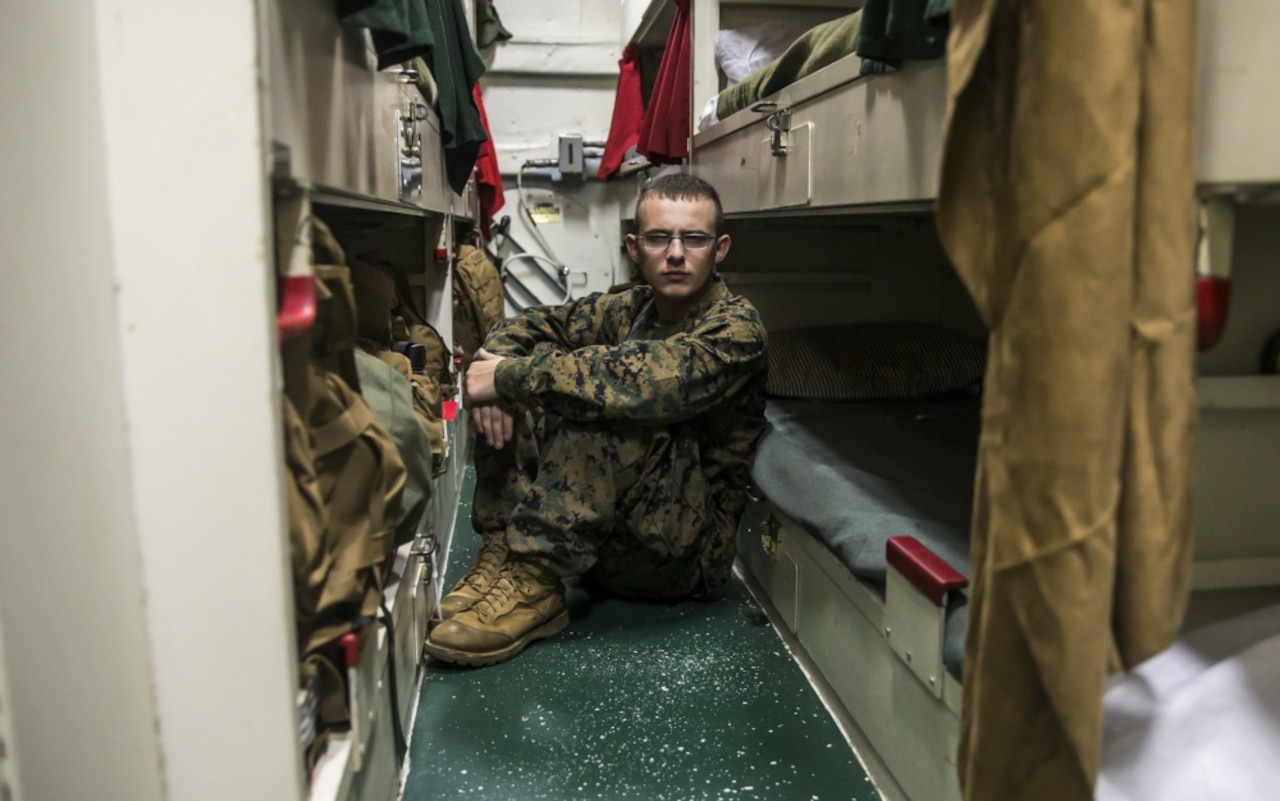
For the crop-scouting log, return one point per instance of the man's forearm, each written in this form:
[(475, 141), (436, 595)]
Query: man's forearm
[(641, 381)]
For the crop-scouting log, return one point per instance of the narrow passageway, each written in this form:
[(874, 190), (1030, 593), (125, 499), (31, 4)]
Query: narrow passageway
[(659, 702)]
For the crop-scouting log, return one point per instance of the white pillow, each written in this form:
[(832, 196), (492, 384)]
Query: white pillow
[(742, 51)]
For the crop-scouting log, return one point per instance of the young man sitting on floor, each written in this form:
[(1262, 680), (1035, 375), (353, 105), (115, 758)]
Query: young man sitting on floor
[(614, 437)]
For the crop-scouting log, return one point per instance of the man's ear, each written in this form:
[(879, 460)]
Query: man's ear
[(633, 247), (722, 247)]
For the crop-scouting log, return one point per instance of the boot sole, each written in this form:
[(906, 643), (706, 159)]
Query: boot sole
[(453, 656)]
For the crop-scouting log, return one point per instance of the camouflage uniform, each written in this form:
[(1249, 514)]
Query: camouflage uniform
[(633, 440)]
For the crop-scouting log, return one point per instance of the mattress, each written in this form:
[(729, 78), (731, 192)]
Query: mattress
[(856, 474)]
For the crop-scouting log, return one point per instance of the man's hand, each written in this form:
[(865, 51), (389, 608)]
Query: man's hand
[(479, 386), (488, 419), (494, 423)]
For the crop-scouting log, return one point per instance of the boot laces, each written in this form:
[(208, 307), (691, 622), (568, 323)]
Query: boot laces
[(497, 598), (492, 557)]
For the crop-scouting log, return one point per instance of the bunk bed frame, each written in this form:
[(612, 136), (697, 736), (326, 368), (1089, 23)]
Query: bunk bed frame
[(865, 142), (835, 144)]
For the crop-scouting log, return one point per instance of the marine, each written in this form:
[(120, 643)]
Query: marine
[(614, 437)]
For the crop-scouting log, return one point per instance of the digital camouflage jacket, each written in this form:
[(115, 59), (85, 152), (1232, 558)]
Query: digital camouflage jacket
[(605, 357)]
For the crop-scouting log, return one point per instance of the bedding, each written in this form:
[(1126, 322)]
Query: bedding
[(855, 474), (884, 34), (813, 50), (872, 361), (742, 51), (1198, 720)]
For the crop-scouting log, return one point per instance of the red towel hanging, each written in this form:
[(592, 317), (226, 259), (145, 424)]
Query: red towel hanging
[(488, 176), (664, 135), (628, 114)]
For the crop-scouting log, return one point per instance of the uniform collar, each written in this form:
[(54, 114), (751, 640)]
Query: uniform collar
[(716, 291)]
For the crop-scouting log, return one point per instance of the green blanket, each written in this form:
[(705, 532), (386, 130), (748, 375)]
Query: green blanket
[(815, 49), (884, 33)]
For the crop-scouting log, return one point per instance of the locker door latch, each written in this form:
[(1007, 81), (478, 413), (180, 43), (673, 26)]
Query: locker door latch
[(779, 122), (769, 539), (409, 149)]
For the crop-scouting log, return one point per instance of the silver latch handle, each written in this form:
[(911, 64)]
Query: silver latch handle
[(424, 545), (779, 123)]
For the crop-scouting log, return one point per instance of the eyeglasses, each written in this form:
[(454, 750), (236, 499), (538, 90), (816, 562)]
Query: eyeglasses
[(659, 241)]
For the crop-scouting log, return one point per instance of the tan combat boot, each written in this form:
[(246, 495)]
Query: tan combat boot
[(525, 602), (472, 587)]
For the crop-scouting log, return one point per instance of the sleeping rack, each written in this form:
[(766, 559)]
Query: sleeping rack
[(858, 538)]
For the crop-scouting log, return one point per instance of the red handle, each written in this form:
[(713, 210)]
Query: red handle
[(1213, 301), (298, 306), (922, 567), (350, 648)]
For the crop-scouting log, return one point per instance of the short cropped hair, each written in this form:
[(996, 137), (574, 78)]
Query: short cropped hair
[(681, 186)]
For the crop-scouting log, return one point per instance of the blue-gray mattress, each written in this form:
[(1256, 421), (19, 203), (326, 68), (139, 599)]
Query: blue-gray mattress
[(856, 474)]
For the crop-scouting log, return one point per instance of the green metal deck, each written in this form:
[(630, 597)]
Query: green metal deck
[(656, 702)]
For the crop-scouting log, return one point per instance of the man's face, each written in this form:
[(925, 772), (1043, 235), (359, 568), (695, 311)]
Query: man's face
[(677, 269)]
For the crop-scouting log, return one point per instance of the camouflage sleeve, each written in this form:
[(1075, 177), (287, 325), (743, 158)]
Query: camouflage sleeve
[(654, 381), (573, 325)]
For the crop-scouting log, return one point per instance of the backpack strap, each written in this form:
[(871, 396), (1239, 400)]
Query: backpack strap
[(342, 429)]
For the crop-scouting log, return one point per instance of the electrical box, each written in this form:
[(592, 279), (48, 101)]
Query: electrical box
[(571, 158)]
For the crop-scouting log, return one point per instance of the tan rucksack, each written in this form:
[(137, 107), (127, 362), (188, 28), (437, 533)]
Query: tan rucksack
[(432, 378), (392, 391), (477, 300), (359, 476), (344, 488), (388, 324), (340, 495)]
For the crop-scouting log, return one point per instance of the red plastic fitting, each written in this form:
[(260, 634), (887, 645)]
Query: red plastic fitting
[(297, 306), (922, 567), (1213, 301), (350, 648)]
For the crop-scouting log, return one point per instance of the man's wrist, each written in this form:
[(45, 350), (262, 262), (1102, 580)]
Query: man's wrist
[(508, 375)]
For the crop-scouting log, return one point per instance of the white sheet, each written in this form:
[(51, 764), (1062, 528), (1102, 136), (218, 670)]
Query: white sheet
[(1199, 722), (709, 117)]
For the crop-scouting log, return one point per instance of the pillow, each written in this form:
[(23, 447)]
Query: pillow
[(742, 51), (872, 361)]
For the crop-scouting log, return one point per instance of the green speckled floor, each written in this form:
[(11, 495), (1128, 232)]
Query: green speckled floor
[(634, 701)]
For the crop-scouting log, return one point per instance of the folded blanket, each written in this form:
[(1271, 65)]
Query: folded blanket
[(884, 34), (817, 48)]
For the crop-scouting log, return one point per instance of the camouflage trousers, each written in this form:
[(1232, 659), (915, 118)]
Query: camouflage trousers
[(623, 504)]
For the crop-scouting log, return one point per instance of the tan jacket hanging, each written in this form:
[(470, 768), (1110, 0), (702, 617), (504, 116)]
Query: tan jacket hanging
[(1067, 207)]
